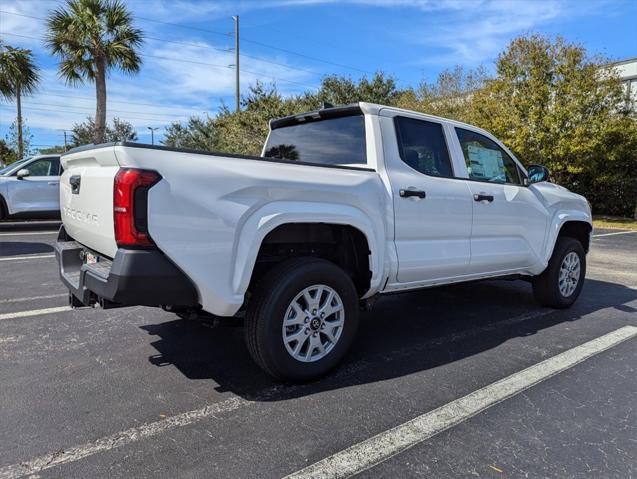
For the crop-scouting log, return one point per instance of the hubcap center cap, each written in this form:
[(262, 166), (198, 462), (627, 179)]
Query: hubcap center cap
[(315, 324)]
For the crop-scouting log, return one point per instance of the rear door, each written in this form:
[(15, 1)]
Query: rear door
[(38, 192), (432, 210), (509, 221)]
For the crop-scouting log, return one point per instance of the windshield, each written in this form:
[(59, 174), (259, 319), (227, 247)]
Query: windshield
[(335, 141), (10, 167)]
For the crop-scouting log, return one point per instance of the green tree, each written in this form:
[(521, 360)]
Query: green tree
[(18, 76), (83, 133), (15, 136), (553, 104), (245, 131), (7, 154), (92, 37), (449, 97), (197, 134), (52, 150), (343, 90)]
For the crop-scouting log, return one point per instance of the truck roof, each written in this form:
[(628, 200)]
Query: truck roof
[(357, 109)]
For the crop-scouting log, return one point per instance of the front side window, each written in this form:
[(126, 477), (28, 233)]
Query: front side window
[(422, 146), (44, 167), (7, 169), (485, 160), (334, 141)]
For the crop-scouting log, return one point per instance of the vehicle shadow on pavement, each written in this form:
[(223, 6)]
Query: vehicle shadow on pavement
[(404, 334), (18, 248)]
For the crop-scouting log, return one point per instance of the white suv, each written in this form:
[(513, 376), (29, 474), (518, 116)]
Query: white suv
[(30, 187)]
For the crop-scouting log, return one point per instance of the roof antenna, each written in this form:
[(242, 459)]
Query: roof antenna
[(326, 104)]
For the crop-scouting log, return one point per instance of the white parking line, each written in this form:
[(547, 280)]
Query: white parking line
[(34, 312), (29, 233), (27, 257), (505, 388), (119, 439), (33, 298), (377, 449), (615, 233)]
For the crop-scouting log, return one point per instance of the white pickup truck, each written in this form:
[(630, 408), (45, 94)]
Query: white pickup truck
[(343, 205)]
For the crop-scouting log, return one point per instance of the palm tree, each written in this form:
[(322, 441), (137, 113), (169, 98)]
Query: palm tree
[(90, 37), (18, 76)]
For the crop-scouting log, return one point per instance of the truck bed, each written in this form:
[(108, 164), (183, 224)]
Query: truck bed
[(202, 214)]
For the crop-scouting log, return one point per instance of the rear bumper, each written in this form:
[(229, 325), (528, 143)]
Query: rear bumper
[(131, 278)]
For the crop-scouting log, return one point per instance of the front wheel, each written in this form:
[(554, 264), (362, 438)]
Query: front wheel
[(561, 283), (302, 319)]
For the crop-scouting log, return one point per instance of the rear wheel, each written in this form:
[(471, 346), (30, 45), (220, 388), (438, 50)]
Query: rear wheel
[(561, 283), (301, 319)]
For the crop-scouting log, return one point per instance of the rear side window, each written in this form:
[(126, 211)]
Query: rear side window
[(422, 146), (334, 141), (485, 160)]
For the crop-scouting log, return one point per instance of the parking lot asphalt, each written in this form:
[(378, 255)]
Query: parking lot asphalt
[(137, 392)]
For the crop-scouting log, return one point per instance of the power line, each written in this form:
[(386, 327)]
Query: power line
[(224, 50), (229, 50), (80, 107), (156, 120), (229, 35), (255, 42), (214, 65), (49, 93)]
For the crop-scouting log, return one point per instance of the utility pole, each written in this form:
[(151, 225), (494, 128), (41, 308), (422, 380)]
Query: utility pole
[(152, 134), (66, 144), (236, 62)]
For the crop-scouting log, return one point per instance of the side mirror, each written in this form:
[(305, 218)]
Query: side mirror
[(537, 173), (23, 173)]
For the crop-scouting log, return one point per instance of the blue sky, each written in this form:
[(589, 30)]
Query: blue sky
[(294, 43)]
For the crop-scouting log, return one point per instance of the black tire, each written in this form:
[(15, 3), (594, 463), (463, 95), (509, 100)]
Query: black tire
[(267, 308), (546, 286), (3, 209)]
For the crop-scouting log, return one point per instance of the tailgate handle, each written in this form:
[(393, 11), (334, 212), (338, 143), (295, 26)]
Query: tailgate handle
[(75, 181)]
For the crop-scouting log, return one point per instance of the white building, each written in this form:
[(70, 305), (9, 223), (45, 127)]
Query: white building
[(627, 70)]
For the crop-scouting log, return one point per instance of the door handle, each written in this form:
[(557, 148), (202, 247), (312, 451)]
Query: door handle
[(75, 182), (54, 183), (481, 197), (409, 193)]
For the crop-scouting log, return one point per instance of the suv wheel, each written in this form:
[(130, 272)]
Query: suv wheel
[(561, 283), (301, 319)]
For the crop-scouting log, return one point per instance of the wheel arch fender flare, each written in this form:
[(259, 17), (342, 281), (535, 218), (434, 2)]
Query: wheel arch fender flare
[(559, 219), (4, 193), (262, 221)]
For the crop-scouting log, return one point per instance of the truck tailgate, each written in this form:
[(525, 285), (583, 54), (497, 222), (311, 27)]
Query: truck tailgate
[(86, 198)]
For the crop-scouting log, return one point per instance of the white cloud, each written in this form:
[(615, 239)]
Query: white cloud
[(473, 32), (20, 20), (209, 73)]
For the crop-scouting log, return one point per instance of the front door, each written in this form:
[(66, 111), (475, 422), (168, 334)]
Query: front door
[(38, 192), (433, 211), (509, 221)]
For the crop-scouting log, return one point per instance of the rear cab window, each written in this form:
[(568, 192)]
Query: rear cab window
[(329, 141), (422, 146)]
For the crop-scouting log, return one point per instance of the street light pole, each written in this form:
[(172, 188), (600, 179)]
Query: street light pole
[(236, 62), (152, 134)]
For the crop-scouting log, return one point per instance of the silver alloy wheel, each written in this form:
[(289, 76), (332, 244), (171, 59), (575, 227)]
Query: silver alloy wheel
[(313, 323), (569, 274)]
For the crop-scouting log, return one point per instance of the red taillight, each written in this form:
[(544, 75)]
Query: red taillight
[(130, 193)]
